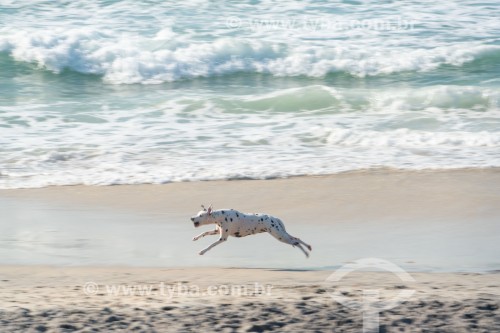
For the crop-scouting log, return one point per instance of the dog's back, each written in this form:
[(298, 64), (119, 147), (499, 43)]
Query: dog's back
[(231, 222)]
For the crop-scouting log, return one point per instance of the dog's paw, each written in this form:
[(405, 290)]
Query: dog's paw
[(201, 253), (195, 238), (309, 247)]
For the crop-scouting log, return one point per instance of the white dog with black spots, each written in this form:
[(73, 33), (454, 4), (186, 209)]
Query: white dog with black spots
[(230, 222)]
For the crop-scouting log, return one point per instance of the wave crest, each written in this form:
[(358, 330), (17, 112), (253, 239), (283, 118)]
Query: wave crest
[(168, 57)]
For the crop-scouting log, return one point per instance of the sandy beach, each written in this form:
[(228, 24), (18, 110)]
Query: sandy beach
[(75, 258), (120, 299), (367, 132), (422, 221), (356, 195)]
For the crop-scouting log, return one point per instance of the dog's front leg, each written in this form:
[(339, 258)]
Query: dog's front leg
[(206, 233), (222, 239)]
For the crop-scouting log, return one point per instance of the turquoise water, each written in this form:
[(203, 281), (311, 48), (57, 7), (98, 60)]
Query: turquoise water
[(122, 92)]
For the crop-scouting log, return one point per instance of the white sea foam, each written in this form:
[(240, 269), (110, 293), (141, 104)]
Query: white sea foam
[(135, 59), (257, 136), (330, 100), (131, 42)]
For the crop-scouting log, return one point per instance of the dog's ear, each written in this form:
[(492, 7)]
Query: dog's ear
[(210, 210), (202, 206)]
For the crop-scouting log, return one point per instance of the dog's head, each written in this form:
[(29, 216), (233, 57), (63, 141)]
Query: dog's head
[(203, 216)]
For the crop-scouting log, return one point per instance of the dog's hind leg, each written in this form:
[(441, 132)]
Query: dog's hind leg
[(301, 248), (304, 243), (284, 237)]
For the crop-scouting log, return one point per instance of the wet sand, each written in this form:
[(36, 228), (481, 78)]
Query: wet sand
[(423, 221), (73, 259)]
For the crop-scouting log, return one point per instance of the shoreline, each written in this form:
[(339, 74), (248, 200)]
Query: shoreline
[(370, 171), (85, 192)]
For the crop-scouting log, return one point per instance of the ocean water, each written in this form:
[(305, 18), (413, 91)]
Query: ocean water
[(125, 92)]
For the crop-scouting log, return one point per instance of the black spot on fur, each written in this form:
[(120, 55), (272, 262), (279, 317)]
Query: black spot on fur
[(225, 219), (231, 219), (237, 234), (223, 212), (237, 215), (262, 220), (227, 230)]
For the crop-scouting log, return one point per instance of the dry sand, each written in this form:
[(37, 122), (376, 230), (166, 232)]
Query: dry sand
[(49, 299)]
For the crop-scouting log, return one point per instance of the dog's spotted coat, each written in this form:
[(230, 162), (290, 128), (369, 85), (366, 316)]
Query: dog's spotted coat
[(230, 222)]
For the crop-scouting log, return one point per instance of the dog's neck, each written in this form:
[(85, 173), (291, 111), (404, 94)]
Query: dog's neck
[(216, 217)]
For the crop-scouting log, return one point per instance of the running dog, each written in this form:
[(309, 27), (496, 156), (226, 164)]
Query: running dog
[(230, 222)]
